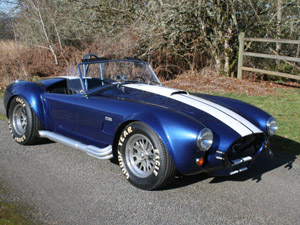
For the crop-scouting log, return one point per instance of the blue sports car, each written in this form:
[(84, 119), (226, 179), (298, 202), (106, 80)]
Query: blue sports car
[(119, 109)]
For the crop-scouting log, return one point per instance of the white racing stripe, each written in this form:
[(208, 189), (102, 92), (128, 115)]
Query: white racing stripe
[(230, 113), (228, 117)]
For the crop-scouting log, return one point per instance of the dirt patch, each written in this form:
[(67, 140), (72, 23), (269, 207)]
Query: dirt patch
[(199, 82)]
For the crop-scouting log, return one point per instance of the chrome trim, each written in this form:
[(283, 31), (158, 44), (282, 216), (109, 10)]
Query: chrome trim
[(107, 118), (96, 152), (219, 152), (269, 122), (154, 74), (19, 119), (242, 160), (200, 139), (141, 156), (219, 157), (238, 171)]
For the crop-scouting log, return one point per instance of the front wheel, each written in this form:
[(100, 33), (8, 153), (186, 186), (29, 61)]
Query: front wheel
[(143, 158), (22, 122)]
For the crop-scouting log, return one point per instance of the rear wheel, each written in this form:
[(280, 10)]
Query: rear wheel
[(143, 158), (22, 122)]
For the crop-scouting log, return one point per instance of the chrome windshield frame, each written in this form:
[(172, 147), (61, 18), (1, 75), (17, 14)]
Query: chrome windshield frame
[(84, 66)]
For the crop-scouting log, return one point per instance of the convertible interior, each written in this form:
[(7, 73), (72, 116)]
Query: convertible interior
[(70, 86)]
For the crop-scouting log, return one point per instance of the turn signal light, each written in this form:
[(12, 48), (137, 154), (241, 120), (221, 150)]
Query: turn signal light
[(199, 161)]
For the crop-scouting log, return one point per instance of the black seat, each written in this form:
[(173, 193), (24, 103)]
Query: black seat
[(62, 90)]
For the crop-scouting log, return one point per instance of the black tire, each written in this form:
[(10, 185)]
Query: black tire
[(143, 158), (22, 122)]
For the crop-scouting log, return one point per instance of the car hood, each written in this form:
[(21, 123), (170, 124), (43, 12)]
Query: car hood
[(207, 112)]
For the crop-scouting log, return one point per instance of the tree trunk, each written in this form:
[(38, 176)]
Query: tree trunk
[(278, 27), (36, 7), (227, 59)]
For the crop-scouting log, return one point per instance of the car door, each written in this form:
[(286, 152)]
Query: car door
[(59, 110), (97, 118)]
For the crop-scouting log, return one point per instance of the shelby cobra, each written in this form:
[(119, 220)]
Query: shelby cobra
[(118, 108)]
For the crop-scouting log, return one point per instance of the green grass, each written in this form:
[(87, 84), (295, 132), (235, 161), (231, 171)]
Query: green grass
[(9, 215), (12, 213), (2, 117), (285, 106)]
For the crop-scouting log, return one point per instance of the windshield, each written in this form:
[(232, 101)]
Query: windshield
[(97, 74)]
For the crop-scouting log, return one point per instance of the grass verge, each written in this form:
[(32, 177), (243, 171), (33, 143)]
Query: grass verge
[(2, 117), (1, 93), (9, 215), (285, 106), (12, 213)]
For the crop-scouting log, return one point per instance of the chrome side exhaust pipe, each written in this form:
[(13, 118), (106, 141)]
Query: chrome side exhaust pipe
[(96, 152)]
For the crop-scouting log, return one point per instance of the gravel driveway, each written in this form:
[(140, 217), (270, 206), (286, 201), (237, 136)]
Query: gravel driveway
[(2, 109), (66, 186)]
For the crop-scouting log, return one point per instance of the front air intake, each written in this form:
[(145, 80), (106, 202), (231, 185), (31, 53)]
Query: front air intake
[(246, 146)]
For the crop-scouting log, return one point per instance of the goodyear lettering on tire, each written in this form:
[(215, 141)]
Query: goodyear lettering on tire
[(21, 139), (124, 171), (124, 134), (21, 101), (9, 127), (120, 159), (157, 163)]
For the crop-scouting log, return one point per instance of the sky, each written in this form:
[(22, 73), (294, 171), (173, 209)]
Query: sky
[(7, 5)]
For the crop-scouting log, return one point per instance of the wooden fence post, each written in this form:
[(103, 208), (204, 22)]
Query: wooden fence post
[(241, 51)]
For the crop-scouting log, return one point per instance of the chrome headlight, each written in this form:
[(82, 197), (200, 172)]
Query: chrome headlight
[(205, 139), (272, 126)]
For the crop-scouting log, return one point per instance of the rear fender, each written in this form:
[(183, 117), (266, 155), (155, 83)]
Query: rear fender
[(29, 91)]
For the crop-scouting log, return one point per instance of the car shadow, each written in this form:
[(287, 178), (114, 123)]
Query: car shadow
[(42, 141), (285, 153)]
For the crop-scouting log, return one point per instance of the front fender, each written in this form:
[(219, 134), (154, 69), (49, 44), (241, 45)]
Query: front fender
[(253, 114), (178, 133), (29, 91)]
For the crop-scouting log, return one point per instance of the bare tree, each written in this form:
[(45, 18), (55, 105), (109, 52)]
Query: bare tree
[(36, 7), (175, 35)]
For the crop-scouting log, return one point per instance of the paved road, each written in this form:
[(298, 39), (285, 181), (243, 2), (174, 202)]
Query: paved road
[(69, 187), (2, 109)]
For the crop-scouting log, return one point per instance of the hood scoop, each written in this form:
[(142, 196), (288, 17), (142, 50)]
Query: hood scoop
[(179, 92)]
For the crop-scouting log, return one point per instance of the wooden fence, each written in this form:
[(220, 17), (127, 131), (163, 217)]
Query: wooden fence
[(242, 53)]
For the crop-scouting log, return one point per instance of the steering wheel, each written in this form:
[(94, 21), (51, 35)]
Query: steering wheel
[(138, 77)]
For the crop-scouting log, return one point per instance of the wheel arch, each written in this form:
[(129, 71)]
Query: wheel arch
[(31, 93), (179, 138), (160, 132), (8, 104), (117, 136)]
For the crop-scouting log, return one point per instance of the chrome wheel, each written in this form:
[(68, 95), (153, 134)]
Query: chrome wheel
[(19, 119), (140, 156)]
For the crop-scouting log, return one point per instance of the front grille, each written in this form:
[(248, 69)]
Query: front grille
[(246, 146)]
